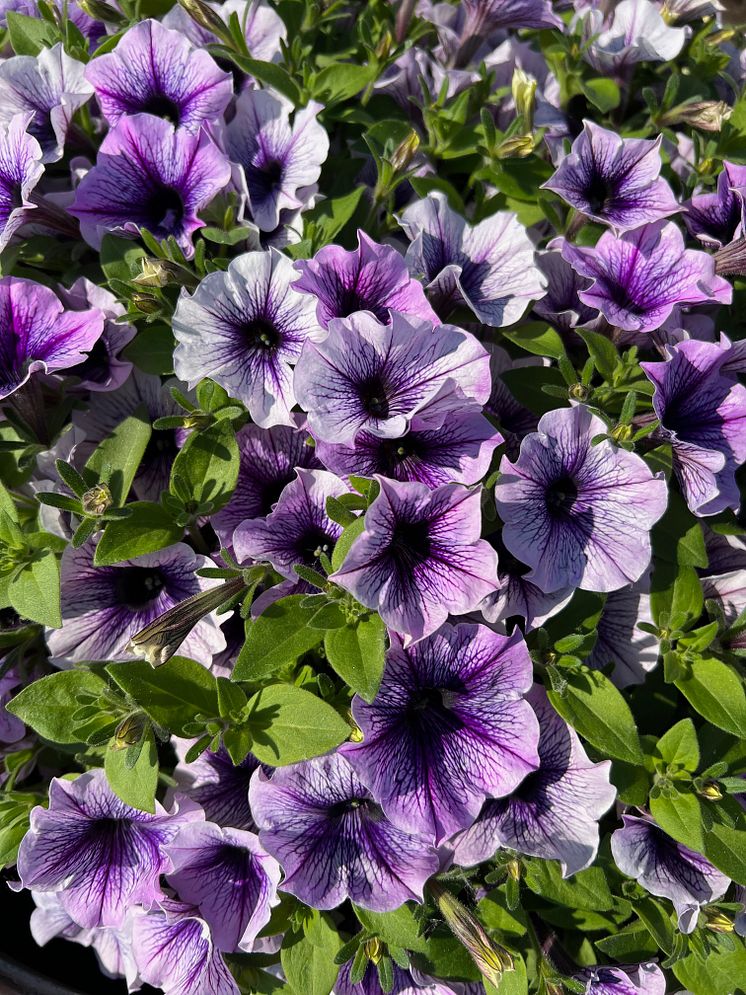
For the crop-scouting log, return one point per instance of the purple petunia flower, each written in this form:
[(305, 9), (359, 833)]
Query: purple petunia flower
[(639, 277), (636, 33), (371, 278), (614, 180), (175, 952), (644, 979), (103, 607), (280, 162), (369, 377), (150, 175), (37, 335), (561, 306), (299, 529), (263, 28), (244, 328), (729, 590), (420, 557), (579, 515), (702, 414), (20, 171), (448, 728), (217, 785), (157, 71), (666, 868), (226, 875), (100, 855), (716, 219), (631, 651), (515, 420), (49, 87), (554, 812), (269, 458), (405, 982), (333, 842), (489, 267)]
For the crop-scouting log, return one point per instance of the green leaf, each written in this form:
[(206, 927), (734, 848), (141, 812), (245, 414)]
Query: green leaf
[(330, 216), (271, 74), (602, 351), (715, 689), (34, 590), (278, 637), (289, 724), (208, 463), (172, 695), (537, 338), (399, 928), (308, 961), (148, 529), (342, 80), (7, 504), (602, 92), (346, 540), (358, 654), (631, 945), (117, 459), (134, 785), (585, 890), (48, 704), (29, 35), (725, 846), (599, 712), (658, 922), (713, 974), (680, 815), (679, 746), (513, 982), (120, 258), (152, 350)]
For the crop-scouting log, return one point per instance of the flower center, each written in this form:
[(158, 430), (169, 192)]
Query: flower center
[(162, 106), (597, 193), (165, 208), (314, 544), (351, 300), (349, 805), (260, 334), (411, 543), (161, 446), (561, 496), (620, 296), (136, 587), (392, 453), (372, 393), (95, 366)]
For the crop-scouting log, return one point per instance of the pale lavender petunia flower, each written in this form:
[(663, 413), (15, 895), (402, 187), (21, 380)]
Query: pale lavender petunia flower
[(333, 842), (554, 812), (406, 981), (614, 180), (371, 278), (37, 335), (639, 277), (299, 530), (631, 651), (702, 414), (716, 219), (448, 728), (262, 26), (227, 875), (12, 729), (245, 328), (20, 170), (489, 267), (100, 855), (217, 785), (50, 87), (369, 377), (150, 175), (561, 306), (280, 162), (103, 607), (578, 514), (269, 458), (403, 80), (729, 590), (175, 952), (643, 979), (635, 32), (154, 70), (420, 557), (666, 868)]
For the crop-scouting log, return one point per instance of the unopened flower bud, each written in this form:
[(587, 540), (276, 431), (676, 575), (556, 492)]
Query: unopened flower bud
[(206, 17), (518, 147), (101, 11), (146, 303), (622, 433), (711, 791), (579, 392), (384, 46), (514, 869), (523, 87), (491, 959), (404, 152), (706, 115), (129, 732), (97, 500), (717, 921), (154, 273), (374, 949), (730, 260)]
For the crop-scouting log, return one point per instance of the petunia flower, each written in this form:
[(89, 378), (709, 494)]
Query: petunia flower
[(154, 70), (299, 529), (371, 278), (642, 979), (103, 607), (100, 855), (635, 32), (175, 952), (561, 306), (332, 840), (226, 875), (90, 28), (579, 515), (420, 557), (614, 180), (717, 219), (49, 87), (263, 28), (702, 414), (666, 868), (149, 175), (37, 335), (489, 267), (244, 328), (217, 785), (406, 981), (20, 170), (554, 812), (639, 277), (631, 651), (269, 458), (448, 728), (369, 377), (280, 162)]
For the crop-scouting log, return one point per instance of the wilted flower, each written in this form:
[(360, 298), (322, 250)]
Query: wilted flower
[(491, 959), (707, 115)]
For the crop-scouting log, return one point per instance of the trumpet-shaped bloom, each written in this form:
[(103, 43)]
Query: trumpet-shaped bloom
[(217, 785), (448, 728), (37, 335), (518, 596), (644, 979), (420, 557), (20, 171), (369, 377), (579, 515), (554, 812), (716, 219), (150, 175), (245, 328), (561, 306), (154, 70), (489, 267), (640, 277), (636, 33), (614, 180), (333, 842)]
